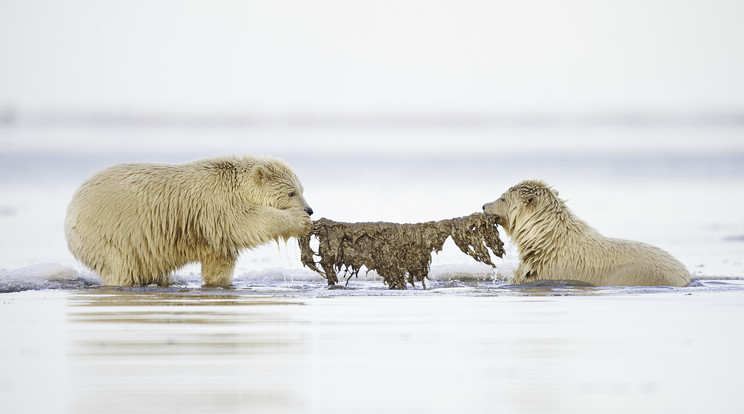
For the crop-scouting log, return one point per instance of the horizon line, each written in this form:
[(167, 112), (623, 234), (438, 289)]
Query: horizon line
[(234, 119)]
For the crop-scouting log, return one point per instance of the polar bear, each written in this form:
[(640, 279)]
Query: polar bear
[(555, 245), (134, 224)]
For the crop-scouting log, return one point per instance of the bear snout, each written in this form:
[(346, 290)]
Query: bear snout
[(309, 211)]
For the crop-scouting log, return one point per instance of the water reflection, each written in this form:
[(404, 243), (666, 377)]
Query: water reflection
[(206, 351), (168, 352)]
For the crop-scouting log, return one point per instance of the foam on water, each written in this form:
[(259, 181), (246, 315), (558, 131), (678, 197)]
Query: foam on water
[(456, 280)]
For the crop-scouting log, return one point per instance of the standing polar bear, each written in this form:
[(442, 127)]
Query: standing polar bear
[(556, 245), (134, 224)]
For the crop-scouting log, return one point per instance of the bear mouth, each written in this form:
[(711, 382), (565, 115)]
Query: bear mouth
[(496, 217)]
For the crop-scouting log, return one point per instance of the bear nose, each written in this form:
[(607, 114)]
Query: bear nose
[(484, 207), (309, 211)]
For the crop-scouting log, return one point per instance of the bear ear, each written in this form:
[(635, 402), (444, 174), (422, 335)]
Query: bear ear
[(259, 173), (531, 200)]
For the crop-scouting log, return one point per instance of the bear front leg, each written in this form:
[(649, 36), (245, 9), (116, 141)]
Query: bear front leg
[(217, 270)]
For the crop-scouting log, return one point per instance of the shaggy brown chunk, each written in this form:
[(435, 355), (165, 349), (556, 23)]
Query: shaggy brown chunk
[(395, 250)]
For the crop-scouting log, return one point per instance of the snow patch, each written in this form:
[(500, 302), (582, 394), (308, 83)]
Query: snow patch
[(43, 276)]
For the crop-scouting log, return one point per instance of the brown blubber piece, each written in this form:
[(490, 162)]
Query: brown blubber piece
[(399, 253)]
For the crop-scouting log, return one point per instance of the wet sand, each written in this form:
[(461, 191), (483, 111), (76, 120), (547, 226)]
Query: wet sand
[(319, 351)]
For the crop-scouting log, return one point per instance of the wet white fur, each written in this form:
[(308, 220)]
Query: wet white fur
[(556, 245), (134, 224)]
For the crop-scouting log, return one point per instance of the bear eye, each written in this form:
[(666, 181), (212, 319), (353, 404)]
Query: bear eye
[(291, 194)]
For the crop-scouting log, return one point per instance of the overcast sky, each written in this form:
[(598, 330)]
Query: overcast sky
[(340, 56)]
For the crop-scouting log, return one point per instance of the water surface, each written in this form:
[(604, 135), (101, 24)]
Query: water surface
[(301, 348)]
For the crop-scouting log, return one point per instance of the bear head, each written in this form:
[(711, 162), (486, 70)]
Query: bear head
[(274, 184), (523, 203)]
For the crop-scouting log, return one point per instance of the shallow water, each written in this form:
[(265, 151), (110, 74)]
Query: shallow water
[(303, 348)]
